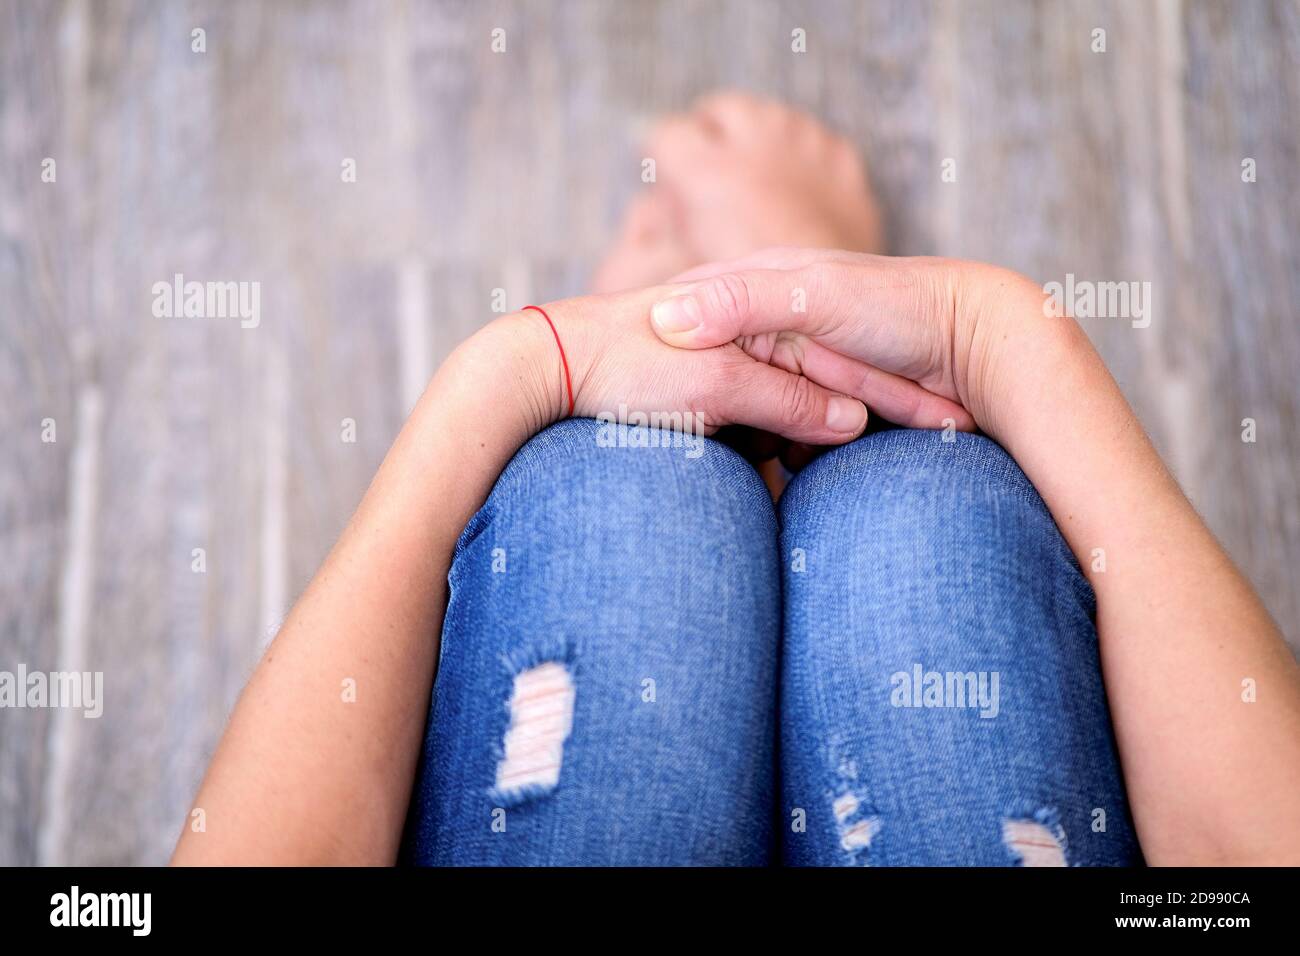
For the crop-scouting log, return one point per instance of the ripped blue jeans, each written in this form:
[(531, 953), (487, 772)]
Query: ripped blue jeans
[(643, 663)]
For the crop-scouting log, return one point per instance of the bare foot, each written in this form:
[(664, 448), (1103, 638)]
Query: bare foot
[(738, 174), (734, 175), (651, 247)]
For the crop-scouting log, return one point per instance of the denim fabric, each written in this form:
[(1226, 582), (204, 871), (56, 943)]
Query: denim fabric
[(940, 554), (657, 580), (628, 565)]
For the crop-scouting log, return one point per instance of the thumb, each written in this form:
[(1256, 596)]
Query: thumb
[(724, 307), (789, 405)]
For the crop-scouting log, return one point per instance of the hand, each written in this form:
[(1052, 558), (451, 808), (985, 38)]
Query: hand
[(616, 360), (1177, 623), (919, 340)]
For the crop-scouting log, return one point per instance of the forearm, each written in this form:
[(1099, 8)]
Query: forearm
[(305, 775), (317, 762), (1213, 775), (1211, 778)]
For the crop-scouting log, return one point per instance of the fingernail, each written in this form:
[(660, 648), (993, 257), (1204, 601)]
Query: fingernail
[(845, 415), (677, 313)]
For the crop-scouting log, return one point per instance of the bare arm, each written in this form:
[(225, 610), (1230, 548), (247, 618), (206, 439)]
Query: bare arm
[(1211, 777), (302, 775)]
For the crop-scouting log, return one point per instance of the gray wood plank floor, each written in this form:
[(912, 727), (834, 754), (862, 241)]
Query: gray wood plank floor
[(478, 170)]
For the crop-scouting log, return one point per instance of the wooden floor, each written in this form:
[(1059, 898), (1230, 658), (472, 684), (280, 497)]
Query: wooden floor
[(478, 170)]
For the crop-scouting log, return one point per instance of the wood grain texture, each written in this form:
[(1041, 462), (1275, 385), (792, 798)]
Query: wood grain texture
[(478, 171)]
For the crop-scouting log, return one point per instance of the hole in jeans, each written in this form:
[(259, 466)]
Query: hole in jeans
[(541, 718)]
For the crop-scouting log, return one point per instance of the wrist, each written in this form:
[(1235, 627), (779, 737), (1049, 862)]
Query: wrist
[(528, 372), (511, 368), (1022, 354), (583, 330)]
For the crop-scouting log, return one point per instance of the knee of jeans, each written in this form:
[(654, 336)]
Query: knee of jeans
[(654, 495), (909, 508)]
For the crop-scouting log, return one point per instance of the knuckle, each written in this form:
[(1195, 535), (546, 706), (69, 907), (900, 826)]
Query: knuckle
[(821, 277), (825, 284), (712, 392), (788, 352), (798, 402), (727, 298), (732, 371)]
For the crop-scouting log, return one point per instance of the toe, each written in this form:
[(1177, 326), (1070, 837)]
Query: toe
[(732, 111), (650, 248), (743, 117), (644, 220), (678, 141)]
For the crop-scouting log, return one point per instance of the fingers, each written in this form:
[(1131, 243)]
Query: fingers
[(862, 327), (788, 405), (890, 396), (725, 307), (895, 314)]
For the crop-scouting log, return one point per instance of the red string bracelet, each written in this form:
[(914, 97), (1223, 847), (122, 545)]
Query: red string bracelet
[(568, 381)]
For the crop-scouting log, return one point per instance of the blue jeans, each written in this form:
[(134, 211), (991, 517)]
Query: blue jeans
[(642, 664)]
